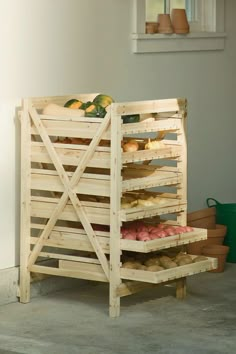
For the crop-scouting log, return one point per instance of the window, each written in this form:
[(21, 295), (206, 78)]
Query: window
[(206, 19)]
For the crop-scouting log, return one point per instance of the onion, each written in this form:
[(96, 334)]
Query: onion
[(130, 146)]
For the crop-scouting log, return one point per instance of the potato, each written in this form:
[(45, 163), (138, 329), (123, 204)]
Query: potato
[(199, 259), (142, 267), (152, 261), (130, 265), (169, 264), (179, 256), (184, 260), (164, 259), (154, 268)]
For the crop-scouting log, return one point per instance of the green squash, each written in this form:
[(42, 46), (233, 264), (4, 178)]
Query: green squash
[(132, 118), (73, 104), (103, 100), (95, 110)]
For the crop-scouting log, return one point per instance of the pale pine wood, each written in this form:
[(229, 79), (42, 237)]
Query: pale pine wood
[(142, 155), (169, 274), (151, 106), (25, 206), (115, 222), (181, 288), (170, 125), (68, 190), (89, 184), (41, 102), (66, 257), (75, 128), (67, 271), (69, 242), (71, 154), (133, 287), (182, 164), (62, 191), (164, 243), (172, 206)]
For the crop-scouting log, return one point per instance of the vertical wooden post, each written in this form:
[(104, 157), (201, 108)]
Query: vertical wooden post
[(25, 205), (115, 223), (181, 288), (182, 139)]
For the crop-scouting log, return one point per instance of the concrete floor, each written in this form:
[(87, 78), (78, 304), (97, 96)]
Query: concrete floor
[(76, 321)]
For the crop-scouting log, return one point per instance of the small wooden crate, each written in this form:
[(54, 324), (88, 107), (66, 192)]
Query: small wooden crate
[(71, 211)]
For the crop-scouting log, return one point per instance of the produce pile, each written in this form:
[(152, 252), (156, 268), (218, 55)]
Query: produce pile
[(74, 107), (95, 108), (142, 200), (134, 145), (141, 232), (160, 261)]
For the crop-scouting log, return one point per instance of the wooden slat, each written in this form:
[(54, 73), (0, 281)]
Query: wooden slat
[(88, 271), (43, 209), (71, 230), (71, 154), (71, 129), (65, 272), (132, 287), (41, 102), (66, 257), (68, 241), (88, 184), (150, 106)]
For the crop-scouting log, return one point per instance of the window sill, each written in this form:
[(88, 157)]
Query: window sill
[(159, 43)]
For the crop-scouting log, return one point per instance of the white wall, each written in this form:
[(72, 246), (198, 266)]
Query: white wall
[(77, 46)]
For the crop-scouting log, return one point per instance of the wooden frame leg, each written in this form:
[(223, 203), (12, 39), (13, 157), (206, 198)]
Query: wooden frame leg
[(114, 304), (24, 285), (181, 288)]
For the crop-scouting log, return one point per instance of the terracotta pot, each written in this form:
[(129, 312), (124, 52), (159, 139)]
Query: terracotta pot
[(215, 236), (151, 27), (164, 24), (217, 251), (179, 21)]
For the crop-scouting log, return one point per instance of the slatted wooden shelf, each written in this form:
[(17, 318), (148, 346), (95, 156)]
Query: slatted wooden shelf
[(155, 154), (164, 243), (171, 206), (137, 177), (172, 125), (169, 274)]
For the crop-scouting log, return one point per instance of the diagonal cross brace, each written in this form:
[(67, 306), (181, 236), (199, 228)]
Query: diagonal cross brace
[(69, 192)]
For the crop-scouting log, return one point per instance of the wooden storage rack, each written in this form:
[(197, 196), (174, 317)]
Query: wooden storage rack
[(71, 194)]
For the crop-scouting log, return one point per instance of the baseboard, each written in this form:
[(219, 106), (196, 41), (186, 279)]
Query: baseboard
[(8, 285), (9, 280)]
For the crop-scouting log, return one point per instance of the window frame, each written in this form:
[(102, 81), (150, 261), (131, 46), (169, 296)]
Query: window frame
[(205, 34)]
